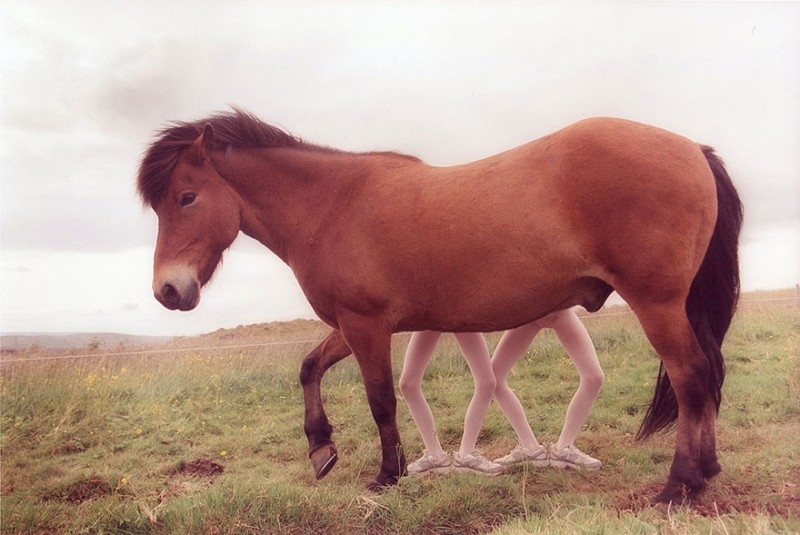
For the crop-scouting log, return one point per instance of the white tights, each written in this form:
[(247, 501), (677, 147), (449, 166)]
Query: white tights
[(578, 345), (489, 377), (418, 355)]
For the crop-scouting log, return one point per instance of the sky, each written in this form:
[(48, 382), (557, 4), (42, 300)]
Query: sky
[(85, 85)]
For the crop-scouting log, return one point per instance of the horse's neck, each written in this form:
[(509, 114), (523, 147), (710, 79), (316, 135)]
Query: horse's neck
[(287, 194)]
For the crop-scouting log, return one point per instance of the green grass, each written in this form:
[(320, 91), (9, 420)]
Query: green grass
[(101, 444)]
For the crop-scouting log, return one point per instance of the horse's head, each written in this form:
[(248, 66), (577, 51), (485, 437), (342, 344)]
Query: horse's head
[(199, 216)]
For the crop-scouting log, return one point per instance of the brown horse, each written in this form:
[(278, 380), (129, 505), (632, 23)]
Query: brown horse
[(383, 243)]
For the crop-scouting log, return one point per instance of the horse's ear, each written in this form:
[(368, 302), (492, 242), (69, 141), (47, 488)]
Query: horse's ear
[(201, 148)]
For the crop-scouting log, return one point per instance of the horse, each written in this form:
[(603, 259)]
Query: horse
[(381, 242)]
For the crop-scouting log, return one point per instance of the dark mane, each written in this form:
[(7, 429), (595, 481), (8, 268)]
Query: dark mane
[(237, 128)]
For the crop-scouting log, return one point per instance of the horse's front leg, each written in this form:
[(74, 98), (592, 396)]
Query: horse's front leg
[(372, 349), (321, 449)]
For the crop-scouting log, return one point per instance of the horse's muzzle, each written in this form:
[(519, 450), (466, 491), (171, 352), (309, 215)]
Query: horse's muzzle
[(176, 296)]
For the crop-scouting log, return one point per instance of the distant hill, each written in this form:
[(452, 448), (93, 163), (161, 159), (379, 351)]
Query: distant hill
[(20, 341), (243, 334)]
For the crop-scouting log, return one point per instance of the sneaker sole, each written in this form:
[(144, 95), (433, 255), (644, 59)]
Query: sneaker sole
[(529, 462), (566, 464), (467, 469), (433, 471)]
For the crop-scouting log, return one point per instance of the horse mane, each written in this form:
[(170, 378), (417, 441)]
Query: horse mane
[(236, 128)]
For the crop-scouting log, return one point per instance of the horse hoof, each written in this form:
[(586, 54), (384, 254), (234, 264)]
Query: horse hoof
[(376, 486), (381, 483), (711, 468), (323, 459), (677, 496)]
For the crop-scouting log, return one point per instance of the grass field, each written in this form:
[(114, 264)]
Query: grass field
[(205, 436)]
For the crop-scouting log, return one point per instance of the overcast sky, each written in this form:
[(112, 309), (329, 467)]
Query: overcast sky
[(86, 84)]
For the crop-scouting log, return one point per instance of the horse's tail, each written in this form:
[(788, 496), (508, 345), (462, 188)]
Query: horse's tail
[(711, 302)]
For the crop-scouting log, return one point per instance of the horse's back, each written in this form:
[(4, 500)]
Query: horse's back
[(599, 189), (553, 223), (598, 165)]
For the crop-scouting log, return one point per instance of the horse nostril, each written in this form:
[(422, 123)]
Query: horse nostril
[(170, 296)]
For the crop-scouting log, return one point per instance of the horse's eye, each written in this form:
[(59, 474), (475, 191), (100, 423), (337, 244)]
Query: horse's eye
[(187, 199)]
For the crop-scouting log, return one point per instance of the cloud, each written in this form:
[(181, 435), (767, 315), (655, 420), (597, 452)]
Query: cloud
[(68, 291), (449, 82), (771, 258)]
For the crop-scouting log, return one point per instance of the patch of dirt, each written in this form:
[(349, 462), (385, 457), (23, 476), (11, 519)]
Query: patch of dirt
[(638, 499), (189, 476), (198, 467), (720, 500), (82, 491)]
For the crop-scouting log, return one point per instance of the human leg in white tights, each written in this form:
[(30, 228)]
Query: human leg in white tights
[(418, 354), (511, 347), (578, 345), (476, 353)]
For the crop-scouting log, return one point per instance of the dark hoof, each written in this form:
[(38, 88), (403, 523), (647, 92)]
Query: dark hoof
[(381, 483), (374, 486), (678, 495), (377, 487), (711, 468), (669, 498), (323, 459)]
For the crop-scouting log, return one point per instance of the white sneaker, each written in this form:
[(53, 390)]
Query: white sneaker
[(476, 463), (522, 454), (428, 464), (572, 457)]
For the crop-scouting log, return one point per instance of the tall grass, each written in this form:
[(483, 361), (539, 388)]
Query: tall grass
[(99, 444)]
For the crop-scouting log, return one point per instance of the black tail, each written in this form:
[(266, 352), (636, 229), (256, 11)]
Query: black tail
[(711, 302)]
